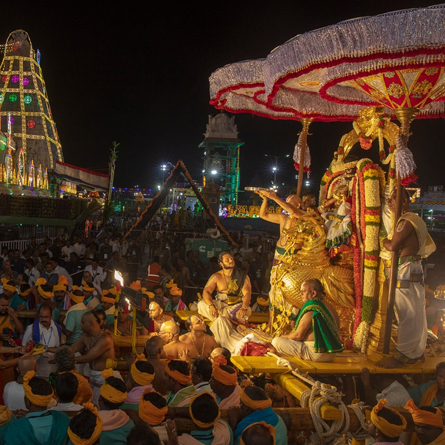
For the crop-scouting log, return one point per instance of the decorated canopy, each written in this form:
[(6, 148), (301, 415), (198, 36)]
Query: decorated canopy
[(394, 59)]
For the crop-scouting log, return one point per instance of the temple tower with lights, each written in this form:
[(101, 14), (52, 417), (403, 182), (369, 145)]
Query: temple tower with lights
[(221, 156), (25, 110)]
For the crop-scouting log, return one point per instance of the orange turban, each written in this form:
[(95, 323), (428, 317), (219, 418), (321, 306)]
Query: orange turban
[(45, 294), (40, 282), (150, 413), (109, 392), (136, 285), (97, 430), (224, 377), (254, 404), (421, 416), (62, 284), (170, 284), (267, 426), (141, 378), (84, 391), (175, 290), (10, 287), (35, 399), (178, 376), (388, 429)]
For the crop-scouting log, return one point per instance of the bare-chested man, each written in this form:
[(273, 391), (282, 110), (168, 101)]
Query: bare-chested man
[(232, 301), (315, 336), (154, 348), (197, 339), (96, 346), (412, 242), (174, 348)]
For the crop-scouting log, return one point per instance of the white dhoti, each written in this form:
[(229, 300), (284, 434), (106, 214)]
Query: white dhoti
[(222, 327), (300, 349), (410, 306), (96, 380)]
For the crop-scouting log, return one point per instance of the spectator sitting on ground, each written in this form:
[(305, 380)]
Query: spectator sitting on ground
[(66, 390), (14, 394), (224, 384), (139, 379), (85, 427), (143, 435), (386, 424), (178, 382), (39, 425), (201, 371), (152, 410)]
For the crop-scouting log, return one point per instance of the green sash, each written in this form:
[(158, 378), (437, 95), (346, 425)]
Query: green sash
[(325, 330)]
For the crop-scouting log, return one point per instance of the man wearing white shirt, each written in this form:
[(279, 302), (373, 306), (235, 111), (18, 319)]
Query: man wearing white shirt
[(59, 270), (14, 394), (79, 248), (31, 271), (96, 272), (67, 250), (48, 333)]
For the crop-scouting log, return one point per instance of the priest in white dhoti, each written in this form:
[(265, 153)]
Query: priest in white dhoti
[(411, 241)]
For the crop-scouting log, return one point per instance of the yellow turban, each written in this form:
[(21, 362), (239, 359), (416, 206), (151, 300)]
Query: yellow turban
[(7, 286), (178, 376), (26, 292), (263, 301), (421, 416), (97, 430), (198, 422), (170, 284), (5, 415), (35, 399), (141, 378), (175, 290), (224, 377), (45, 294), (40, 281), (266, 425), (254, 404), (106, 299), (110, 393), (87, 287), (84, 391), (388, 429), (76, 298), (150, 413), (146, 292)]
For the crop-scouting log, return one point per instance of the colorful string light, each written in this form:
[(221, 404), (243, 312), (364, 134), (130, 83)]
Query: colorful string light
[(31, 123), (27, 99), (12, 97)]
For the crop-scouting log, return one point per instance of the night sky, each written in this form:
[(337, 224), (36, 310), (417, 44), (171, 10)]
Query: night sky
[(137, 73)]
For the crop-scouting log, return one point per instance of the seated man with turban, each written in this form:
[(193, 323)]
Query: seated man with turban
[(108, 302), (66, 362), (259, 433), (6, 419), (116, 423), (256, 406), (178, 381), (152, 410), (39, 425), (386, 424), (86, 427), (428, 423), (66, 386), (143, 434), (139, 379), (71, 326), (205, 414), (224, 384), (175, 303), (261, 305)]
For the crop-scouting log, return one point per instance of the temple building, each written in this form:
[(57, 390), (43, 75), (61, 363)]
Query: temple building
[(221, 156)]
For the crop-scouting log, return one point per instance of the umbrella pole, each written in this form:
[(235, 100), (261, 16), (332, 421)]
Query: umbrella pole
[(405, 117), (306, 121)]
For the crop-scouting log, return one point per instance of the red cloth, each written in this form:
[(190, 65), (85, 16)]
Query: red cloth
[(254, 349)]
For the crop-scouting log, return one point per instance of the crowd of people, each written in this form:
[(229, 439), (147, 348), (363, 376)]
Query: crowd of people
[(59, 377)]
